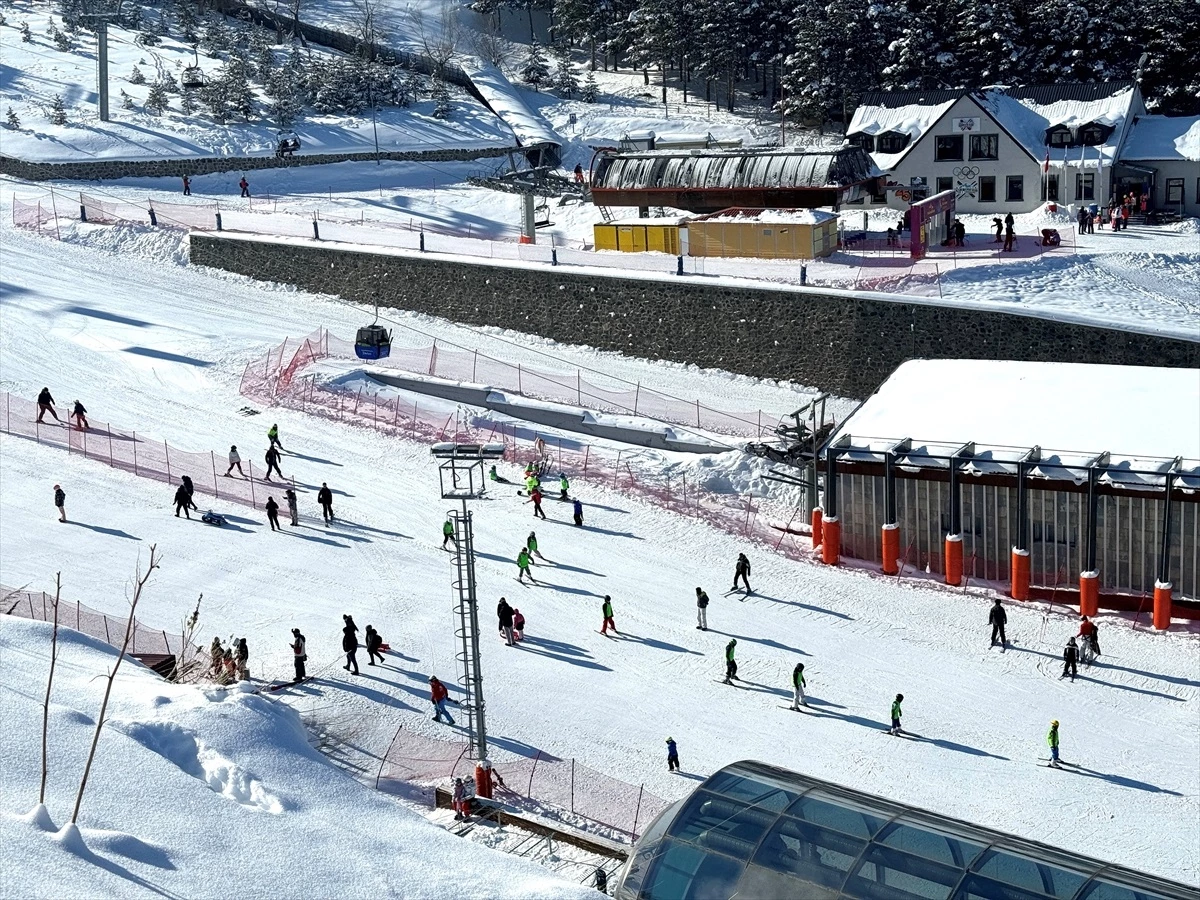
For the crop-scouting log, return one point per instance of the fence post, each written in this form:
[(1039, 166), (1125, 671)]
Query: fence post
[(218, 220), (636, 393), (7, 411), (572, 784), (135, 469), (357, 399), (216, 490), (529, 790), (375, 414), (76, 615), (106, 639), (110, 450), (253, 502), (587, 449), (617, 469), (167, 450), (520, 389), (578, 388), (474, 364), (316, 229), (697, 412), (414, 420), (637, 812)]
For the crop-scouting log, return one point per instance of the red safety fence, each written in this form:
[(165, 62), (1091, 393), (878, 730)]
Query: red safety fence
[(140, 455), (564, 789)]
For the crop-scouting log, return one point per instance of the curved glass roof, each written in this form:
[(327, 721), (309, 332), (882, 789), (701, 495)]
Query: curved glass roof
[(757, 831)]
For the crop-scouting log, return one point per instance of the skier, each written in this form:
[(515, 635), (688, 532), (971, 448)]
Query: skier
[(182, 501), (578, 513), (518, 625), (448, 534), (531, 546), (536, 496), (460, 800), (531, 482), (523, 563), (60, 500), (325, 498), (798, 684), (272, 514), (607, 610), (374, 642), (273, 437), (241, 654), (79, 414), (563, 486), (235, 459), (504, 613), (701, 610), (187, 186), (186, 482), (299, 656), (895, 729), (496, 477), (1070, 658), (578, 173), (245, 186), (216, 653), (997, 618), (272, 460), (730, 662), (438, 696), (742, 571), (350, 643), (290, 496), (1052, 740), (46, 405), (1090, 633), (1010, 234), (672, 755)]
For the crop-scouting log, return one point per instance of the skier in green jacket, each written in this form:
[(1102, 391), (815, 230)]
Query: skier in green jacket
[(563, 486), (1052, 740), (531, 546), (273, 437), (608, 616), (448, 533), (523, 562), (730, 662), (798, 684), (895, 729)]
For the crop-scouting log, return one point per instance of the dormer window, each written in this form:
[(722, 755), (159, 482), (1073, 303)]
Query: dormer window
[(863, 142), (1059, 136), (891, 142), (1094, 133)]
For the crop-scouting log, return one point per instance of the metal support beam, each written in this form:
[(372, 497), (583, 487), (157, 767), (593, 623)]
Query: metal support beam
[(889, 479), (1164, 554), (1096, 467), (1028, 461), (832, 452), (965, 452)]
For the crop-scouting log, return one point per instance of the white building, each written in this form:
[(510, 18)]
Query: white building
[(1167, 150)]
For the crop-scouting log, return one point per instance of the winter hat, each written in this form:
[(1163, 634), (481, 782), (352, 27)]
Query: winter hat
[(606, 597), (899, 696), (57, 488), (295, 631), (670, 740), (433, 678), (1054, 723)]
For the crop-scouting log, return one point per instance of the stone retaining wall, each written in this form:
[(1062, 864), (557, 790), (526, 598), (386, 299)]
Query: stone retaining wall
[(846, 345)]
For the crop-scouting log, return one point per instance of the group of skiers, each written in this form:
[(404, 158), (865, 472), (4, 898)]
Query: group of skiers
[(229, 664), (45, 404)]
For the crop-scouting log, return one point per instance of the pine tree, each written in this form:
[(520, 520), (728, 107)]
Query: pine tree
[(987, 39), (565, 82), (26, 34), (1171, 80), (263, 54), (187, 19), (215, 38), (235, 81), (285, 97), (835, 59), (58, 111), (136, 76), (441, 101), (923, 52), (590, 89), (11, 120), (581, 22), (156, 100), (721, 38), (187, 102), (126, 100), (62, 42), (535, 71)]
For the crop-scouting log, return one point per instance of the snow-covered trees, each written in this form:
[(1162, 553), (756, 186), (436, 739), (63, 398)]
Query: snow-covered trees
[(58, 111), (565, 83), (535, 71), (11, 121), (441, 101), (285, 94), (126, 100), (590, 89), (136, 76), (26, 34), (156, 100)]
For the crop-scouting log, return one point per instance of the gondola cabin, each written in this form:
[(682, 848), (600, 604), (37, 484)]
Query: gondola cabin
[(373, 342)]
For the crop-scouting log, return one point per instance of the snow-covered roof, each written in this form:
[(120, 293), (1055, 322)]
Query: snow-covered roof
[(772, 216), (1163, 138), (913, 119), (506, 102)]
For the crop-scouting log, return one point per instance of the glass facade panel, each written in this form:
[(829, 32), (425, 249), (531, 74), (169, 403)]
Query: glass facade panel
[(930, 844), (684, 872), (976, 887), (723, 825), (809, 852), (1026, 873), (889, 874), (838, 815), (1106, 890), (762, 792)]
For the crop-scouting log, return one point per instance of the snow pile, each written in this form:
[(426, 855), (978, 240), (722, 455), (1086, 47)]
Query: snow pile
[(777, 216), (194, 790)]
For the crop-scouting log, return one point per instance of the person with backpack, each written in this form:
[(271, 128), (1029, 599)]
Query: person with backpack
[(730, 662), (273, 437), (299, 654), (45, 404), (742, 571), (672, 755), (518, 625), (235, 459), (245, 186), (272, 461), (241, 654), (79, 414), (438, 695), (523, 563), (272, 514), (350, 643), (504, 613), (578, 510), (701, 610), (290, 496), (997, 618), (182, 502), (532, 547), (607, 610), (325, 498), (1052, 740), (798, 685), (896, 713), (536, 496), (60, 501), (374, 642), (1070, 659)]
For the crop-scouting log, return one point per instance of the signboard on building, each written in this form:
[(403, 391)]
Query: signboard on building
[(965, 124), (930, 222)]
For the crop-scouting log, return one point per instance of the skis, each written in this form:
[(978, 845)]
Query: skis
[(801, 708), (283, 684)]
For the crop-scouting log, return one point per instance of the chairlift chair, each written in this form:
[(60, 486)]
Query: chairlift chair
[(541, 215), (373, 342), (193, 78), (289, 143)]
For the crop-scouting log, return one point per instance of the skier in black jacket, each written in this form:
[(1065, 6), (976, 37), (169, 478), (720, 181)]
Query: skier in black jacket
[(504, 613), (46, 405), (997, 618), (350, 643), (374, 642), (742, 571), (182, 501), (325, 498), (1070, 658), (701, 610), (273, 514), (272, 460), (186, 481)]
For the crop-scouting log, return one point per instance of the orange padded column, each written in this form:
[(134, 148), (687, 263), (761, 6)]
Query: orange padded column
[(891, 549), (1020, 574), (954, 559), (483, 779), (831, 543), (1089, 593), (816, 527), (1162, 605)]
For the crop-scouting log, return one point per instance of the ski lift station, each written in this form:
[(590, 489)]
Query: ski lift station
[(752, 831), (1050, 480)]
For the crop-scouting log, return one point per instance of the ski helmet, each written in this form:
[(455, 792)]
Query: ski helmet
[(1054, 723)]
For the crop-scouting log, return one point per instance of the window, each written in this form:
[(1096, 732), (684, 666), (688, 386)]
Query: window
[(949, 147), (944, 184), (1059, 136), (891, 142), (1015, 188), (879, 198), (985, 146), (1175, 190), (987, 188), (864, 141), (1085, 186), (1050, 188), (1093, 134)]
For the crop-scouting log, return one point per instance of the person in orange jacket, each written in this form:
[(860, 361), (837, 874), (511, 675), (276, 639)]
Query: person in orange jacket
[(438, 696)]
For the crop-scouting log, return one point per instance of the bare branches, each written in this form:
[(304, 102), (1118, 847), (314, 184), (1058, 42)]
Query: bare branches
[(186, 662), (49, 685), (440, 36)]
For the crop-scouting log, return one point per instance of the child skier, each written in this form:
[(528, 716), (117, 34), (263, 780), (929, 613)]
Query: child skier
[(518, 625), (79, 414), (536, 495), (578, 513), (563, 486), (272, 461), (607, 610), (742, 571), (701, 610), (182, 502), (531, 546), (293, 511), (374, 643), (798, 684), (235, 459), (1052, 740), (730, 662), (448, 534), (523, 563), (273, 437), (60, 501), (1070, 658), (672, 755), (895, 729)]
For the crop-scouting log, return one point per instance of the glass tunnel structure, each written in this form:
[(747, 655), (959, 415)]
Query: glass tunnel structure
[(752, 831)]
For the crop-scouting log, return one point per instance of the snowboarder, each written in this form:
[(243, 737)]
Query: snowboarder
[(504, 613), (60, 500), (672, 755), (998, 618), (186, 482), (187, 186), (272, 460), (350, 643), (245, 186), (241, 655), (182, 502), (536, 496), (374, 642), (607, 610), (798, 685), (701, 610), (45, 405), (1070, 659), (742, 571), (272, 514), (79, 414), (299, 654), (518, 625), (523, 563), (1052, 740), (460, 799), (325, 498), (1089, 632), (290, 496), (497, 477), (578, 513), (448, 534), (216, 653), (563, 486), (438, 696), (235, 459), (896, 713), (273, 437), (730, 662), (531, 546)]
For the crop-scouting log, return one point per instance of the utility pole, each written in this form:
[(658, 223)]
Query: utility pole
[(100, 19)]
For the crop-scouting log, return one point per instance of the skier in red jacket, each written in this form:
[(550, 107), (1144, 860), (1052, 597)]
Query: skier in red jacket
[(438, 696)]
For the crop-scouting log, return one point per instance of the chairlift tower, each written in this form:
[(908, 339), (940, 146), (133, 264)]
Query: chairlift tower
[(462, 478), (100, 20)]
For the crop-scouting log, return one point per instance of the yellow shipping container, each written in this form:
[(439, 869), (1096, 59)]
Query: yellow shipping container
[(640, 235)]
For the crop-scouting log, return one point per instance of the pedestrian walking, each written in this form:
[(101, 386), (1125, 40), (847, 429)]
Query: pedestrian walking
[(186, 482), (374, 643), (798, 685), (672, 755), (272, 460), (438, 695), (997, 618), (504, 613), (578, 172), (1090, 633), (299, 654), (45, 404), (272, 514), (730, 662), (536, 496), (1070, 659), (60, 501), (896, 713), (241, 655), (448, 534), (460, 799), (290, 496), (187, 186), (216, 653), (701, 610), (273, 437), (532, 547), (325, 498), (245, 186), (1010, 234), (607, 610), (235, 460), (1052, 740), (523, 563), (742, 571), (563, 486), (518, 625), (182, 502), (578, 513), (350, 643), (79, 414)]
